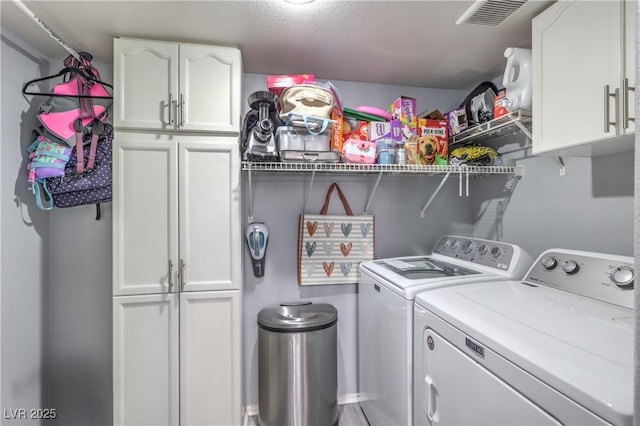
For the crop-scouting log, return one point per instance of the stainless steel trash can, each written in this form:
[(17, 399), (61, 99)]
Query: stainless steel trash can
[(297, 365)]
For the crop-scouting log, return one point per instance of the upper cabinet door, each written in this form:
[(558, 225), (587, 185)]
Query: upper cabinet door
[(577, 53), (631, 7), (210, 237), (145, 84), (145, 214), (210, 89)]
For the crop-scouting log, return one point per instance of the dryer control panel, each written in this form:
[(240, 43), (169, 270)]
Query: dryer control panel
[(605, 277), (493, 254)]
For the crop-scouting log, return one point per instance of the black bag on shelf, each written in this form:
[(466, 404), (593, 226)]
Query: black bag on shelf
[(479, 103)]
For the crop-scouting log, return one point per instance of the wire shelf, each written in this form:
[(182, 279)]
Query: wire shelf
[(512, 123), (347, 168)]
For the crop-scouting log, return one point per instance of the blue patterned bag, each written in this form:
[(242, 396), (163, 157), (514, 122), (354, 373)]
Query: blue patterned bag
[(93, 184)]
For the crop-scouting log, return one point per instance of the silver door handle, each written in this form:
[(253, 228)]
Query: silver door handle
[(625, 105), (171, 102), (170, 275), (183, 273), (607, 119)]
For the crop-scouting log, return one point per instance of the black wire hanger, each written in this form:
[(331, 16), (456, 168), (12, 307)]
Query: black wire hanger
[(61, 73)]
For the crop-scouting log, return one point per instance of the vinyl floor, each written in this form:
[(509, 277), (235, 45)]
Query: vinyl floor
[(349, 414)]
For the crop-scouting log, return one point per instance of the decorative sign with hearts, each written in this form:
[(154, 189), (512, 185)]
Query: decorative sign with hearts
[(319, 237)]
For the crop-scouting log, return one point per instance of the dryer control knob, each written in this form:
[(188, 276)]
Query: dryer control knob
[(496, 252), (549, 263), (467, 247), (623, 277), (570, 267), (483, 249)]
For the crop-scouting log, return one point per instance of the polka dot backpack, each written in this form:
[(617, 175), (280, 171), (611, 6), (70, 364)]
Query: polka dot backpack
[(90, 183)]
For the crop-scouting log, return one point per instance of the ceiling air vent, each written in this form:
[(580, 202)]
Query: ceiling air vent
[(489, 13)]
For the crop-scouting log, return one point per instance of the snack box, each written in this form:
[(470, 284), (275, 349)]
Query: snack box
[(457, 121), (404, 109), (501, 104), (336, 132), (277, 83), (385, 130), (433, 142)]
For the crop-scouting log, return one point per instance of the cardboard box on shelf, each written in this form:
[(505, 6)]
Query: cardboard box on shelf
[(433, 115), (457, 121), (385, 130), (336, 132), (404, 109), (500, 106), (433, 142)]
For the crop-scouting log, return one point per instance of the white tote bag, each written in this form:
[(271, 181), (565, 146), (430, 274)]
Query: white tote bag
[(331, 247)]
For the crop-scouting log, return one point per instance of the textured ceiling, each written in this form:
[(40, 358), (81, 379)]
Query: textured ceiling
[(413, 43)]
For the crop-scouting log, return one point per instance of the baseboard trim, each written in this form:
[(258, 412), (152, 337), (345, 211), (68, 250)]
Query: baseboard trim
[(252, 410)]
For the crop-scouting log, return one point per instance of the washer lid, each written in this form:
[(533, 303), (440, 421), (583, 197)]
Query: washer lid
[(405, 272), (581, 347), (297, 316)]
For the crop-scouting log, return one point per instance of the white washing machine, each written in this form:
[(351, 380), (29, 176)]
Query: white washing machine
[(555, 348), (385, 314)]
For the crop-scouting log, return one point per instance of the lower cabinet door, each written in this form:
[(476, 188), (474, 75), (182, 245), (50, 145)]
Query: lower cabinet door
[(210, 358), (145, 360)]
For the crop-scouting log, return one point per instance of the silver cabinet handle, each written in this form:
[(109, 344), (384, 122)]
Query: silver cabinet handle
[(171, 102), (170, 275), (607, 119), (625, 105), (183, 273)]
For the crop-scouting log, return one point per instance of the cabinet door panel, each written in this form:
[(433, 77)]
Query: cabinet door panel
[(576, 48), (145, 83), (210, 235), (631, 7), (210, 358), (145, 214), (210, 87), (145, 360)]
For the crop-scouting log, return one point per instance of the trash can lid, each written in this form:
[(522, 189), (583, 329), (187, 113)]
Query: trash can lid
[(297, 317)]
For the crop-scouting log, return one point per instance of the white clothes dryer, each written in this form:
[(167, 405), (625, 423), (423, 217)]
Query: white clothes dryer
[(555, 348), (386, 293)]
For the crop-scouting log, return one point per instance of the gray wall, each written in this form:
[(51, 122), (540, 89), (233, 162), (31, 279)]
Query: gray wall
[(56, 273), (80, 318), (278, 199), (590, 208), (24, 242)]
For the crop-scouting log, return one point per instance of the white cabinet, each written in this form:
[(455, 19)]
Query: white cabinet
[(171, 86), (210, 359), (631, 47), (177, 242), (176, 213), (176, 359), (176, 279), (145, 360), (582, 53)]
